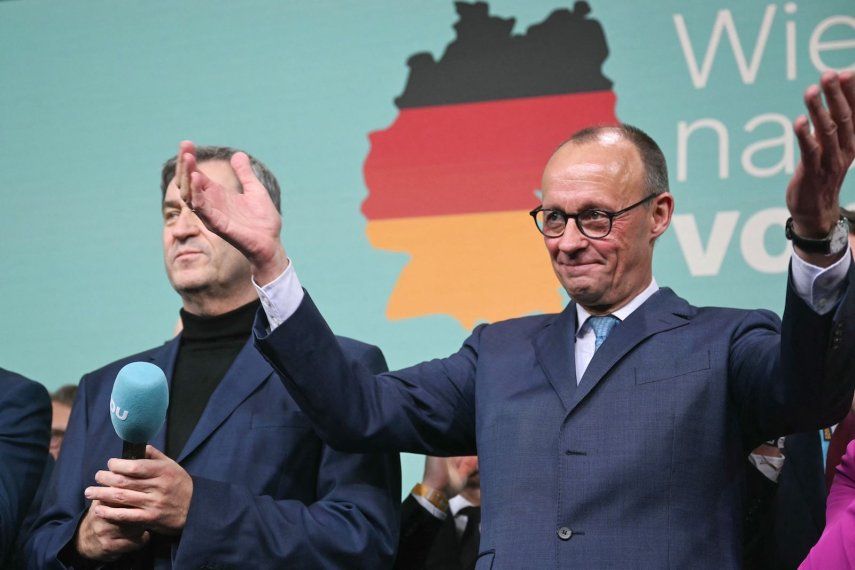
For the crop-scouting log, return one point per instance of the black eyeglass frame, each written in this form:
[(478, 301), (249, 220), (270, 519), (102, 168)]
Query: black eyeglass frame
[(575, 217)]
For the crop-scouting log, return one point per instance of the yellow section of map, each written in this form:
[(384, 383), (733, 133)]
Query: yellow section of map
[(474, 267)]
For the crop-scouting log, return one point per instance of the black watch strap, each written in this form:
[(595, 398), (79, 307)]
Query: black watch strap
[(825, 246)]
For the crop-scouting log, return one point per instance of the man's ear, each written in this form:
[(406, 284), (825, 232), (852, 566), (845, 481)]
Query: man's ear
[(661, 210)]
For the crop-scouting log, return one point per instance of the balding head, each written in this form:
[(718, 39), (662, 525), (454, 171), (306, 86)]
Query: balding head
[(602, 180), (655, 167)]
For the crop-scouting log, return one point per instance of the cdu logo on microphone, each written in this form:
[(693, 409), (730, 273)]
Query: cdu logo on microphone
[(138, 402), (117, 411)]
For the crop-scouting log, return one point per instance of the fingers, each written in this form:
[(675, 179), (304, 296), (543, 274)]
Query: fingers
[(136, 468), (110, 479), (825, 129), (810, 149), (840, 109), (834, 126), (199, 184), (104, 541), (243, 169), (151, 452), (847, 85), (124, 516), (116, 496), (183, 169), (185, 187)]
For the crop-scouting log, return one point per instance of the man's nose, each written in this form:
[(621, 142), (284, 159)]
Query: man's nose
[(187, 224), (572, 239)]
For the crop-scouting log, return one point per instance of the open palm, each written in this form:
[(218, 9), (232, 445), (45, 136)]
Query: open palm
[(827, 153), (249, 220)]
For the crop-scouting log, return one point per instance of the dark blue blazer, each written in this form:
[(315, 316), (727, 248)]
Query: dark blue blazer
[(640, 466), (267, 493), (24, 437)]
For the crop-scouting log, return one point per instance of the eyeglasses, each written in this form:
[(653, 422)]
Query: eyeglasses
[(594, 224)]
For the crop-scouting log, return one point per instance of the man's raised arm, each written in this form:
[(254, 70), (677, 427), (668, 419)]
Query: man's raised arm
[(351, 408)]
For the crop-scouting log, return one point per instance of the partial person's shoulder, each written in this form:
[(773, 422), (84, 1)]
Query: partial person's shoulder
[(107, 373), (13, 384), (706, 314), (517, 327), (734, 315), (522, 325)]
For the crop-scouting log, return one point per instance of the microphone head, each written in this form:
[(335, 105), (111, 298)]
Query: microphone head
[(138, 402)]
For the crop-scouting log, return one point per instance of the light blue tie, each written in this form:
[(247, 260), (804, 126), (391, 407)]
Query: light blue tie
[(602, 326)]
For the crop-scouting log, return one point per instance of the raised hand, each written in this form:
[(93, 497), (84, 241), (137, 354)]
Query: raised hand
[(249, 221), (813, 194)]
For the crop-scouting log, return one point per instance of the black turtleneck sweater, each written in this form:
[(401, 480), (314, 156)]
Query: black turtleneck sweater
[(208, 347)]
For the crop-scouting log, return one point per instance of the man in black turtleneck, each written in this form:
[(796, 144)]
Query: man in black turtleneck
[(242, 480), (208, 347)]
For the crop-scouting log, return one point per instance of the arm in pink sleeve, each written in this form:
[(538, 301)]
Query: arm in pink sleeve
[(836, 546)]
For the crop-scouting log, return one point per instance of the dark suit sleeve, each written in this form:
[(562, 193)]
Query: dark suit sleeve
[(24, 436), (418, 531), (63, 504), (353, 523), (799, 377), (427, 409)]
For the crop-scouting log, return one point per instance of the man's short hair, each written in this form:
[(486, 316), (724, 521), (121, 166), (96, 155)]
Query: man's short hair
[(225, 153), (849, 215), (64, 395), (655, 167)]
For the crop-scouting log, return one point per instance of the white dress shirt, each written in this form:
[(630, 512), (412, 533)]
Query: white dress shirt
[(585, 337), (455, 505)]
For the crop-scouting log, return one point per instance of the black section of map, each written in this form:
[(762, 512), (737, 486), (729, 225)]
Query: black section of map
[(487, 62)]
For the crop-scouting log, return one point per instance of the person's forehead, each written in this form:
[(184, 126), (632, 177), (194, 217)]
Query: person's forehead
[(219, 171), (607, 153), (59, 408), (612, 166)]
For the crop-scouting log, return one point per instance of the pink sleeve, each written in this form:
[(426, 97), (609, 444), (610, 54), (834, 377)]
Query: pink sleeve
[(836, 546)]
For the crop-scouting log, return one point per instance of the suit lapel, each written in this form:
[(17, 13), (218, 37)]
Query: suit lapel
[(663, 311), (554, 347), (165, 359), (245, 375)]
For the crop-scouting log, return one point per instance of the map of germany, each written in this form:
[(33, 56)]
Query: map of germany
[(451, 181)]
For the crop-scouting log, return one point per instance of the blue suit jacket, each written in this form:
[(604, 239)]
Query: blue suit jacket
[(24, 437), (641, 465), (267, 493)]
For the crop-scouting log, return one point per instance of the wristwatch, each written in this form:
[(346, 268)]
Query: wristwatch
[(434, 497), (832, 244)]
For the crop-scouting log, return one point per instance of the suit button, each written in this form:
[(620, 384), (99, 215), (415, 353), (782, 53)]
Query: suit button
[(565, 533)]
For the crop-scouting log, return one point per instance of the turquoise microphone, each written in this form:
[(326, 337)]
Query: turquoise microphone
[(138, 406)]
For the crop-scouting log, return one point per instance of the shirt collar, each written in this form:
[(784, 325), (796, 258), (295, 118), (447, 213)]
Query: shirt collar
[(582, 315), (458, 502)]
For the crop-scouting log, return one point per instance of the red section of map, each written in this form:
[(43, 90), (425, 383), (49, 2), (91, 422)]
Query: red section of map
[(473, 157)]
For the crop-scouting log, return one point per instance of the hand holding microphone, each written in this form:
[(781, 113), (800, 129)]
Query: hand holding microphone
[(145, 490), (137, 409)]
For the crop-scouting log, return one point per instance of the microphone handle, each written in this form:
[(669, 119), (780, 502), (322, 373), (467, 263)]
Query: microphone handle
[(133, 450)]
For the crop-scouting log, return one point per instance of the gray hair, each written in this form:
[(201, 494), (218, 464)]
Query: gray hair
[(225, 153)]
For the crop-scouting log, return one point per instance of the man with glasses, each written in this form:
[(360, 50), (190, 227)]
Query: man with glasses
[(612, 434)]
